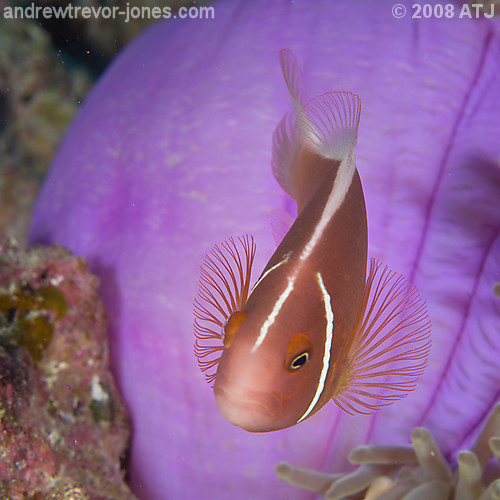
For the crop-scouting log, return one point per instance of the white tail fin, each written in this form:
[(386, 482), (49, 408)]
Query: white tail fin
[(327, 125)]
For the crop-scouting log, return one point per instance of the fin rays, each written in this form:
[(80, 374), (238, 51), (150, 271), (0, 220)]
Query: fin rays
[(329, 123), (281, 222), (223, 289), (293, 78), (285, 149), (388, 352)]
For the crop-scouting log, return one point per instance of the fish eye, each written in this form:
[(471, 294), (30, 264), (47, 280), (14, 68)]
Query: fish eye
[(299, 361), (298, 352)]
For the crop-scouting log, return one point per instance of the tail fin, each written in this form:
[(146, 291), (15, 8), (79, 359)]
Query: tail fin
[(327, 125)]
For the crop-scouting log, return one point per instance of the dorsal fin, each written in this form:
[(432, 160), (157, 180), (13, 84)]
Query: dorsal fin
[(286, 142), (281, 222), (285, 149), (293, 78)]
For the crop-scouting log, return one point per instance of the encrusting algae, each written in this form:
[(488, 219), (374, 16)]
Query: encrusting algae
[(25, 318), (63, 427)]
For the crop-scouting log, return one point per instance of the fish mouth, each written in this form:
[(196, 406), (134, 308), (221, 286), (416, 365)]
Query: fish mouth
[(253, 411)]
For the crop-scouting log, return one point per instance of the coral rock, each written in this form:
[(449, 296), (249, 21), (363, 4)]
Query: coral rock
[(63, 426)]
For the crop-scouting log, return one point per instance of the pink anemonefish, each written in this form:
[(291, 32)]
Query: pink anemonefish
[(313, 327)]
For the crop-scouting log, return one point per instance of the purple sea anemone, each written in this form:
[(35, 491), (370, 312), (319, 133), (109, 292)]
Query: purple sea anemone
[(171, 154)]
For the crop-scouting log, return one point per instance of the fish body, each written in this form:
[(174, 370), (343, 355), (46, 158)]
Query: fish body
[(304, 334)]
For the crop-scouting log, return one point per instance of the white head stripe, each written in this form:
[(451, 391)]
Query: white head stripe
[(274, 313), (283, 261), (328, 345)]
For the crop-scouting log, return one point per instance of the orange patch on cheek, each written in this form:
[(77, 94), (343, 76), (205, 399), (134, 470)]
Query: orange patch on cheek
[(232, 326)]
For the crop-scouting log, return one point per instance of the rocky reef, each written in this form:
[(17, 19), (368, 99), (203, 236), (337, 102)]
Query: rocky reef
[(64, 429)]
